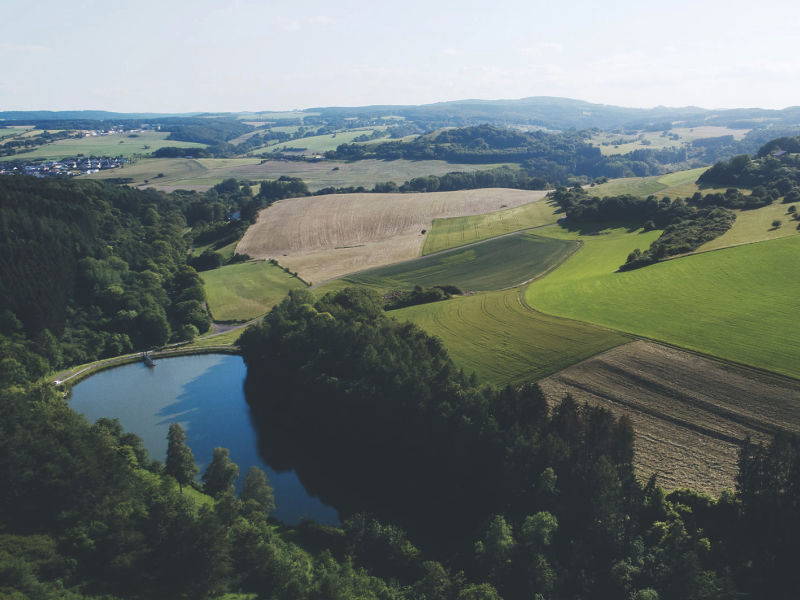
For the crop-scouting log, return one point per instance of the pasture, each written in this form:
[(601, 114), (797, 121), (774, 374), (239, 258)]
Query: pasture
[(495, 335), (323, 237), (104, 145), (247, 290), (458, 231), (493, 265), (690, 413), (737, 304)]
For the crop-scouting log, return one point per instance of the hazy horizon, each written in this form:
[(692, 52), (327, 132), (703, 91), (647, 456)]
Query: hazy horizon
[(243, 55)]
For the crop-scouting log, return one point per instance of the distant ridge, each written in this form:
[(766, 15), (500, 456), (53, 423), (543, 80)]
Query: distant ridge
[(71, 115)]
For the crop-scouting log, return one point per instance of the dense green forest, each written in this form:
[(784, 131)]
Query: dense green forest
[(94, 270)]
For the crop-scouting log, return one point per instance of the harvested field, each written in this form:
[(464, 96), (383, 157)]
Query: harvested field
[(690, 413), (322, 237)]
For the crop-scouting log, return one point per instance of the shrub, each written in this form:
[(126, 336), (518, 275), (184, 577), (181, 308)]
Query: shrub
[(777, 223)]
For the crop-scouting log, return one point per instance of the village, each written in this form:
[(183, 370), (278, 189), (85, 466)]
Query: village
[(67, 167)]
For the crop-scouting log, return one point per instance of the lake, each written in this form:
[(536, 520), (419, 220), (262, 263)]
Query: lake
[(204, 393)]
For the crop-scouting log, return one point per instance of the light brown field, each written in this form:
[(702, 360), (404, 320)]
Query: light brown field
[(690, 413), (322, 237)]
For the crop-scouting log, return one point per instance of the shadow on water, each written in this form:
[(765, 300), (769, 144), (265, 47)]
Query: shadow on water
[(205, 395)]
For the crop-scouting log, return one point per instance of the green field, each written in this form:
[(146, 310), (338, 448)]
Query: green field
[(223, 339), (103, 145), (493, 265), (11, 131), (503, 341), (457, 231), (737, 304), (644, 186), (247, 290), (755, 226)]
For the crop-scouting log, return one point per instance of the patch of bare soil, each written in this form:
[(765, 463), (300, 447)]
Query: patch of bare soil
[(690, 413)]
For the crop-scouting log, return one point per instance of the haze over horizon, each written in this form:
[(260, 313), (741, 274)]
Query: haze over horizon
[(243, 55)]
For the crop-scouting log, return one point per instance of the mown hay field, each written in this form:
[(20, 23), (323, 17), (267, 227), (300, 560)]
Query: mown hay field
[(104, 145), (458, 231), (495, 335), (247, 290), (737, 303), (493, 265), (690, 413), (323, 237)]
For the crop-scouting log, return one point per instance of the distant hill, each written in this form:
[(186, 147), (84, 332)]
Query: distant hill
[(71, 115), (565, 113)]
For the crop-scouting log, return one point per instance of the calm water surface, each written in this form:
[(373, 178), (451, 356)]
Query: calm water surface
[(204, 394)]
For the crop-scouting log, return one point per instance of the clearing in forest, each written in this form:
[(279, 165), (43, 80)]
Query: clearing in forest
[(690, 413), (737, 303), (493, 265), (247, 290), (322, 237), (495, 335)]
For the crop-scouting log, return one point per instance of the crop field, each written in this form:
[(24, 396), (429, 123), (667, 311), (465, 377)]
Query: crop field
[(247, 290), (457, 231), (148, 169), (503, 341), (323, 237), (493, 265), (12, 131), (690, 413), (104, 145), (659, 142), (737, 304)]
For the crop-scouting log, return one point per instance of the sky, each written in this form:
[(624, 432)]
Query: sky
[(251, 55)]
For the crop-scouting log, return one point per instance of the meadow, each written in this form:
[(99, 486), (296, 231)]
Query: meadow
[(736, 303), (103, 145), (503, 341), (493, 265), (276, 116), (323, 237), (247, 290)]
